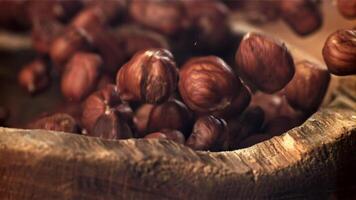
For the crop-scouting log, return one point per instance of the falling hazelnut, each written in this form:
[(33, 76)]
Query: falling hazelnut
[(99, 103), (308, 87), (172, 114), (80, 75), (56, 122), (150, 76), (275, 105), (168, 134), (303, 16), (208, 84), (167, 17), (209, 133), (264, 62), (209, 23), (347, 8), (338, 52), (34, 76), (110, 126), (259, 12)]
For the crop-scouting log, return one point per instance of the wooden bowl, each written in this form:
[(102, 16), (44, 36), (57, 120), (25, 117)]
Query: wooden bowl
[(313, 160)]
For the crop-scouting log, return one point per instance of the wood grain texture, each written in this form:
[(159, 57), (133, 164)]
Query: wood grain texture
[(307, 160)]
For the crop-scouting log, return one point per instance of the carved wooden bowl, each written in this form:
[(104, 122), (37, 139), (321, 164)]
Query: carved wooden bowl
[(315, 159)]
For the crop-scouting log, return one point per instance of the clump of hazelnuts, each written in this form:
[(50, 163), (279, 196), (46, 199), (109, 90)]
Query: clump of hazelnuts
[(165, 73)]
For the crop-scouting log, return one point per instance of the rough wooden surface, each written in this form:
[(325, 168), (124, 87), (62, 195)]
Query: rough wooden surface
[(307, 160)]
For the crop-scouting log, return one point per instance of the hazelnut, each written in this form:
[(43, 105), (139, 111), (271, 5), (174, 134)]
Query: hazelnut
[(208, 20), (238, 105), (98, 103), (241, 127), (338, 52), (308, 87), (274, 106), (207, 84), (168, 134), (209, 133), (43, 33), (34, 76), (64, 46), (134, 38), (303, 16), (167, 17), (264, 62), (56, 122), (80, 75), (172, 114), (347, 8), (110, 126), (150, 76), (254, 139), (141, 118)]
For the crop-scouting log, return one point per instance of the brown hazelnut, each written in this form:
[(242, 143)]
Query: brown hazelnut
[(303, 16), (150, 76), (264, 62), (56, 122), (34, 76), (238, 105), (64, 46), (308, 87), (110, 126), (172, 114), (347, 8), (168, 134), (254, 139), (209, 133), (274, 106), (141, 118), (207, 84), (241, 127), (134, 38), (80, 75), (338, 52), (209, 24), (167, 17), (43, 33), (98, 103)]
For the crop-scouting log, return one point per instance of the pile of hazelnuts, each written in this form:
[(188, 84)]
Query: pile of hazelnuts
[(131, 81)]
